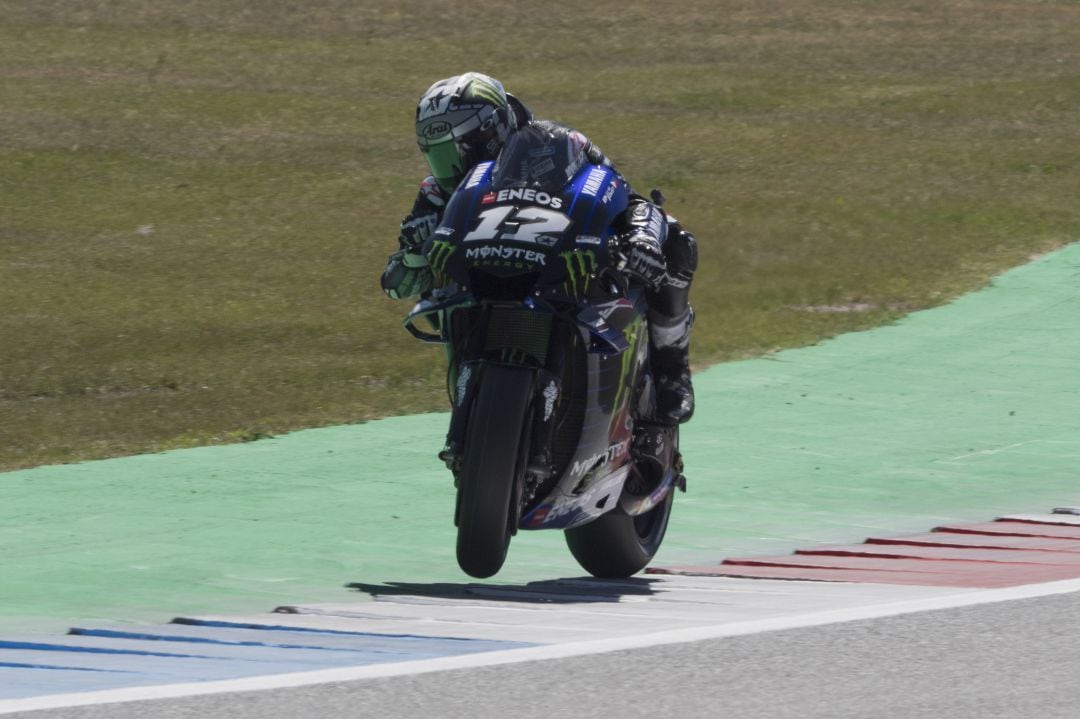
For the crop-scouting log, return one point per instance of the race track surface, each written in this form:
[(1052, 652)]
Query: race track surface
[(952, 417)]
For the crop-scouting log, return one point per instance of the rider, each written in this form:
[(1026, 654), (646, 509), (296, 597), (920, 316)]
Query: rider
[(465, 120)]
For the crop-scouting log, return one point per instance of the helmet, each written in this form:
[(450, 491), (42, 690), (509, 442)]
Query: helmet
[(461, 121)]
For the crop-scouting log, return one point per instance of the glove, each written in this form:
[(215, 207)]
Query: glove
[(415, 229), (407, 274), (644, 258)]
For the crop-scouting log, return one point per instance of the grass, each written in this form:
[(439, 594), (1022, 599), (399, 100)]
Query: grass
[(196, 199)]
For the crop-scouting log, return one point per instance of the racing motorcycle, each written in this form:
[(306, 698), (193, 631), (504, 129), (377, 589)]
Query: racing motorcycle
[(548, 354)]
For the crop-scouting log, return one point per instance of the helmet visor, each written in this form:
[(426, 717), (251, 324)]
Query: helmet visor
[(445, 162)]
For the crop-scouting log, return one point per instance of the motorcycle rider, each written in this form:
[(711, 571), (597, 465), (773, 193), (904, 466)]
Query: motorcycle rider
[(465, 120)]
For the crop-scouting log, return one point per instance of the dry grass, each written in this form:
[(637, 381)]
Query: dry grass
[(196, 198)]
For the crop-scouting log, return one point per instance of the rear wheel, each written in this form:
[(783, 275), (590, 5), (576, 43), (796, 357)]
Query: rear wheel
[(616, 545), (489, 484)]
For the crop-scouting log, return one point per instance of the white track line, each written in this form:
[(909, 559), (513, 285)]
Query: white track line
[(554, 651)]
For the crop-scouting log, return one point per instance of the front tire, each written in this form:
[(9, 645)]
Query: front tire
[(492, 472), (616, 545)]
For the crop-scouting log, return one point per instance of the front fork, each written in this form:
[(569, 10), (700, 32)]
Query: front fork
[(463, 383)]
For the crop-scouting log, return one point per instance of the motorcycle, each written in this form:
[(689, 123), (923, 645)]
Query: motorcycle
[(548, 354)]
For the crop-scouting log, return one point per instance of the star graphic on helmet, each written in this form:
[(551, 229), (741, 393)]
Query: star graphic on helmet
[(433, 102)]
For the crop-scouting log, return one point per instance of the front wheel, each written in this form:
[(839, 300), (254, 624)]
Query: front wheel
[(489, 483), (616, 545)]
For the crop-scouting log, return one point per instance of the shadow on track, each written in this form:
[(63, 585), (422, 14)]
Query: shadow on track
[(552, 591)]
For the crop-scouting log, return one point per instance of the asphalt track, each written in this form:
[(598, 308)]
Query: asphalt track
[(955, 414), (1011, 660)]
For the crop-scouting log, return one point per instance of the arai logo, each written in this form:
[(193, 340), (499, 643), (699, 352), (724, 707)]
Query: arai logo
[(436, 129)]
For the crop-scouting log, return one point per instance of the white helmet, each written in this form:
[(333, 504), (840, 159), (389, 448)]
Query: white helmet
[(461, 121)]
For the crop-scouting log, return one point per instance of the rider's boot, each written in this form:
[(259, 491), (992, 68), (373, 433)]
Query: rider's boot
[(670, 340)]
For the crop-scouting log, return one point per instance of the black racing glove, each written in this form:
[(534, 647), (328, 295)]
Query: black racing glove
[(415, 229), (644, 258)]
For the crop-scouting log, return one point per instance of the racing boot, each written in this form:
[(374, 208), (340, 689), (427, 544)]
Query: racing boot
[(670, 348)]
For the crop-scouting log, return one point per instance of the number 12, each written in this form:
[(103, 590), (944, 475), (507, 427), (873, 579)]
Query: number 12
[(514, 224)]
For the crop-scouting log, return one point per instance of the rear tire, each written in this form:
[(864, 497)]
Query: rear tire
[(616, 545), (492, 472)]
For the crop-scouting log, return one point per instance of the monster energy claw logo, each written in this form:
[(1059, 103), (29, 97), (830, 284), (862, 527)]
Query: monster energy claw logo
[(629, 358), (486, 91), (439, 255), (513, 355), (580, 266)]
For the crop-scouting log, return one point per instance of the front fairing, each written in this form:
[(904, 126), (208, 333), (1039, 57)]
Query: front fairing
[(523, 240)]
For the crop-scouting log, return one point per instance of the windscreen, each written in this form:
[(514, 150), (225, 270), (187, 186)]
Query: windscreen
[(536, 158)]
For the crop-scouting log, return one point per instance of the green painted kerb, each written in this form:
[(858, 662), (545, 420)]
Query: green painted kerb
[(956, 413)]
